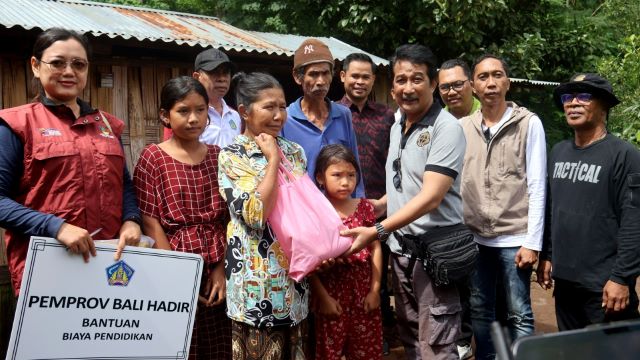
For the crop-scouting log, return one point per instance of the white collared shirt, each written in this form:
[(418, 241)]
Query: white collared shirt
[(221, 129)]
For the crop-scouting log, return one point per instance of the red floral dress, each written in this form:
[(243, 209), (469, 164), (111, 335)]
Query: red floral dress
[(356, 334)]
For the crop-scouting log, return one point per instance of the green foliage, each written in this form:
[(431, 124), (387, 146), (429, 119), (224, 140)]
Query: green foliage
[(286, 17), (623, 70), (451, 28)]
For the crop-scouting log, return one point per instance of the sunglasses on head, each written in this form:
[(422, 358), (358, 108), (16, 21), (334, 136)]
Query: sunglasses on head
[(583, 98)]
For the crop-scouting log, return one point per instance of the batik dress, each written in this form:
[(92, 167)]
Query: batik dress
[(259, 291)]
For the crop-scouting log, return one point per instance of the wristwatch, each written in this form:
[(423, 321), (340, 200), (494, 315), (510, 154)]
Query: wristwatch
[(383, 234)]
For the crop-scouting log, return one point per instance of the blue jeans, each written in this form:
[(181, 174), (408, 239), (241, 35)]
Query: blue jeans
[(494, 264)]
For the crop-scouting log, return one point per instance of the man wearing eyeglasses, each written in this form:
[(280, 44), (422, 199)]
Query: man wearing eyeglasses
[(426, 150), (593, 212), (503, 191), (454, 84)]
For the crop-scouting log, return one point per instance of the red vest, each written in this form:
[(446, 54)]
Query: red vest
[(73, 169)]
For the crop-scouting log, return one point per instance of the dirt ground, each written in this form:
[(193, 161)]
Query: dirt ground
[(543, 312)]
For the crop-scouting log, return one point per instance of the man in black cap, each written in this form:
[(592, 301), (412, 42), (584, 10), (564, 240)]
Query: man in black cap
[(593, 212), (212, 69)]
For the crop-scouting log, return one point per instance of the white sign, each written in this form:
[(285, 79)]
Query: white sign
[(141, 307)]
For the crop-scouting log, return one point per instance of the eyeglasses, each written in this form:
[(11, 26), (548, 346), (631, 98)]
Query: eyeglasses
[(59, 65), (397, 178), (583, 98), (456, 85)]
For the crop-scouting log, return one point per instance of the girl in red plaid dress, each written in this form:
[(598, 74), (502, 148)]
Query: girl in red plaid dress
[(177, 186), (346, 297)]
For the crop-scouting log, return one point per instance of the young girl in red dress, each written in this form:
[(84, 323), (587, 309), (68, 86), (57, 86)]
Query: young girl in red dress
[(346, 297), (177, 186)]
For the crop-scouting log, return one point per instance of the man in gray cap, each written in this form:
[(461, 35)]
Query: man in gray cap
[(213, 69), (592, 237)]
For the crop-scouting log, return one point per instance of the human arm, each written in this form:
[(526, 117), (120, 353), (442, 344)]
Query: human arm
[(21, 219), (154, 230), (543, 272), (238, 180), (379, 205), (215, 290), (442, 166), (148, 189), (372, 300), (13, 215), (626, 269), (130, 230), (434, 187), (324, 303), (536, 167), (268, 187), (129, 234)]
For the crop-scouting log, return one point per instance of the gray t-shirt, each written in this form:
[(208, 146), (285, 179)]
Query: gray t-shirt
[(436, 143)]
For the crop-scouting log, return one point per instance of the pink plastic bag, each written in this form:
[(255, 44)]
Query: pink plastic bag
[(305, 224)]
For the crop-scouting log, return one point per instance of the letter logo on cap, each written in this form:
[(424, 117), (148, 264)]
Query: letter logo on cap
[(308, 49)]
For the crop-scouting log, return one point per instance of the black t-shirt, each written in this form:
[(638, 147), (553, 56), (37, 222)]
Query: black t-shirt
[(593, 215)]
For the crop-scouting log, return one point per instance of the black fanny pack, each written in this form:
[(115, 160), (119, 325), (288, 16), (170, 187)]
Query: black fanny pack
[(448, 253)]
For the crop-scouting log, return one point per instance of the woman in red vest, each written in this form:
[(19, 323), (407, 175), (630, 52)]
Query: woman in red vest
[(62, 166)]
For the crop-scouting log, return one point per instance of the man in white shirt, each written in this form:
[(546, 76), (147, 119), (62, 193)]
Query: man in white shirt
[(503, 193), (213, 70)]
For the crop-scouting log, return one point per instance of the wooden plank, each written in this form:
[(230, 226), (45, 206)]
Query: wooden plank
[(103, 96), (29, 78), (136, 115), (120, 91), (14, 85), (86, 94), (121, 109), (382, 91), (149, 94), (163, 75)]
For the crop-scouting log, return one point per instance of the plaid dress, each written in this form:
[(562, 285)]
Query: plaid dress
[(186, 201)]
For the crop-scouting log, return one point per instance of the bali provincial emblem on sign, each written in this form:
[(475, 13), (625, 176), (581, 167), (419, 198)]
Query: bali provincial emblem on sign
[(119, 274)]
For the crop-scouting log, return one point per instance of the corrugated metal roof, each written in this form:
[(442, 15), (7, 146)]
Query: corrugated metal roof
[(339, 49), (534, 82), (100, 19)]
